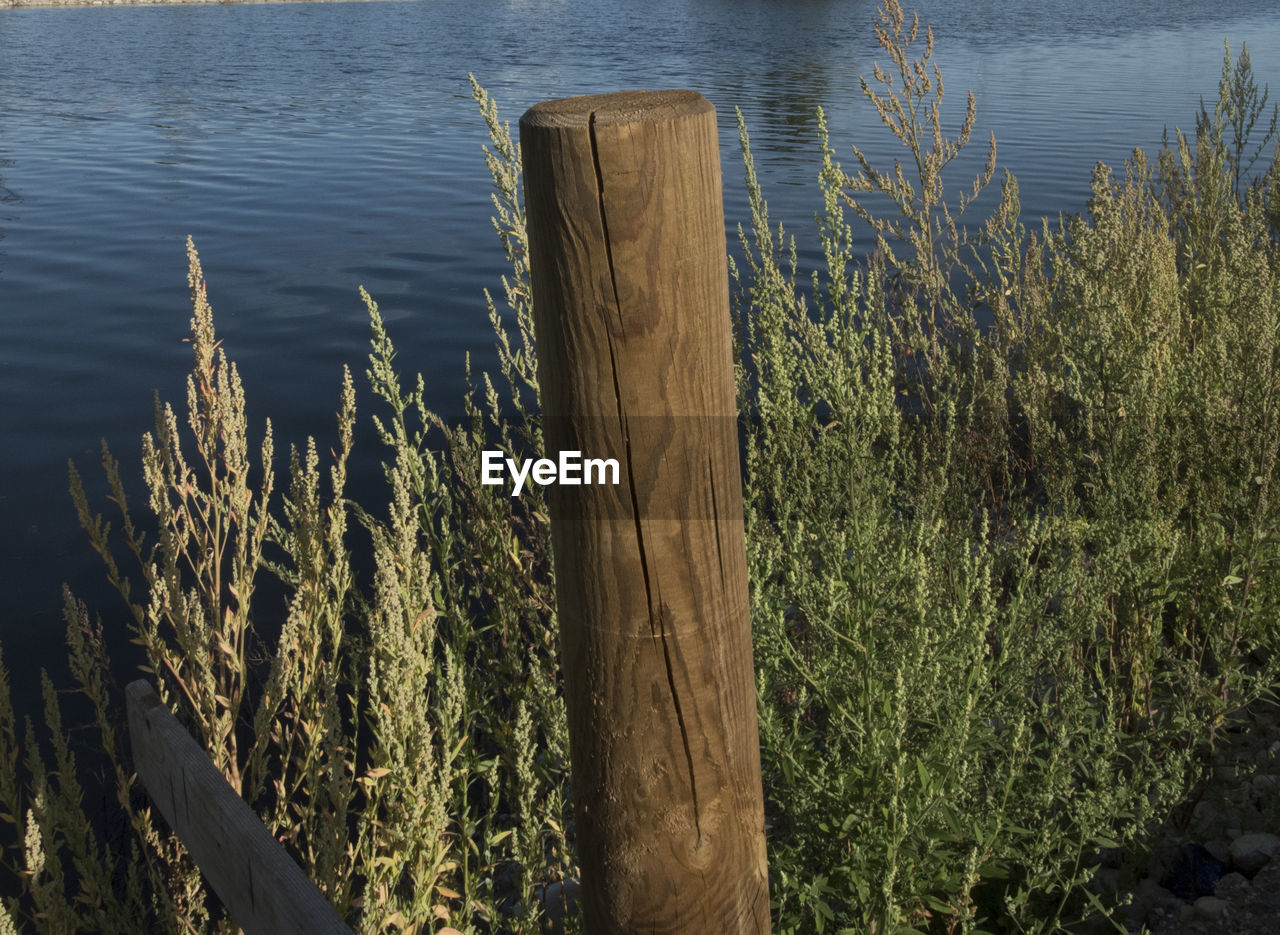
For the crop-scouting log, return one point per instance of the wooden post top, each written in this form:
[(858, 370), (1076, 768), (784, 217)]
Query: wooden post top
[(619, 107)]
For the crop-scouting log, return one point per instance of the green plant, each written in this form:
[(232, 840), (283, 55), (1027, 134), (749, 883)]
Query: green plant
[(1007, 576), (991, 566), (403, 737), (910, 106), (1239, 105)]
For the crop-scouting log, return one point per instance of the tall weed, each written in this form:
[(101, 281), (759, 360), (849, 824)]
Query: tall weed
[(1005, 577), (1011, 540), (402, 736)]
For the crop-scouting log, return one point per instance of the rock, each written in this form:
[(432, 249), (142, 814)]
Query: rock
[(1220, 850), (1107, 881), (1251, 852), (1264, 783), (1210, 907), (1160, 862), (1151, 892), (1249, 815), (1207, 820), (559, 896), (1233, 884)]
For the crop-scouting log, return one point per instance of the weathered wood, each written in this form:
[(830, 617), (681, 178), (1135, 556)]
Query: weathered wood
[(258, 882), (631, 304)]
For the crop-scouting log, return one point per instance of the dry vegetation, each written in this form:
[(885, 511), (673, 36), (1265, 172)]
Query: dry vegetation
[(1007, 579)]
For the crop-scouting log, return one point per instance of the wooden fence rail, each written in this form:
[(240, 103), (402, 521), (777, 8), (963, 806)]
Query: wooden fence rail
[(259, 883)]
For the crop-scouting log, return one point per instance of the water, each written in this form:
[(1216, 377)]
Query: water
[(310, 148)]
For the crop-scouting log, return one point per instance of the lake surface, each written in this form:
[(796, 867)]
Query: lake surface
[(311, 148)]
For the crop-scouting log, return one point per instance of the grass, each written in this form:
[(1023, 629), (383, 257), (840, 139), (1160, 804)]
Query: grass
[(1011, 541)]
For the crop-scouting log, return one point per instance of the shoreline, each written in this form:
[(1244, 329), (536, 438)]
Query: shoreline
[(55, 4)]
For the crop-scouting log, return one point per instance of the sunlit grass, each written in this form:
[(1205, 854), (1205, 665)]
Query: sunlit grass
[(1006, 579)]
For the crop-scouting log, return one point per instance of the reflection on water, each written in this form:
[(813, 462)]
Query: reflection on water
[(313, 148), (8, 197), (8, 200)]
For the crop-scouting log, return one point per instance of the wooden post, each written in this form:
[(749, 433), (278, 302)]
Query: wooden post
[(631, 304), (261, 886)]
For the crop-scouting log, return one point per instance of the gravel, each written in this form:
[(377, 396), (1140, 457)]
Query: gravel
[(1221, 872)]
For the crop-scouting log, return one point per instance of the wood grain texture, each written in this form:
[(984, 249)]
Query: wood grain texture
[(631, 299), (259, 883)]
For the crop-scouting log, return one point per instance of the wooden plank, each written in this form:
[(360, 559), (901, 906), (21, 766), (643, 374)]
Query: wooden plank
[(635, 362), (256, 879)]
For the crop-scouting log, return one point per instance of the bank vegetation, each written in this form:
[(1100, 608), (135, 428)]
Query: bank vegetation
[(1012, 544)]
